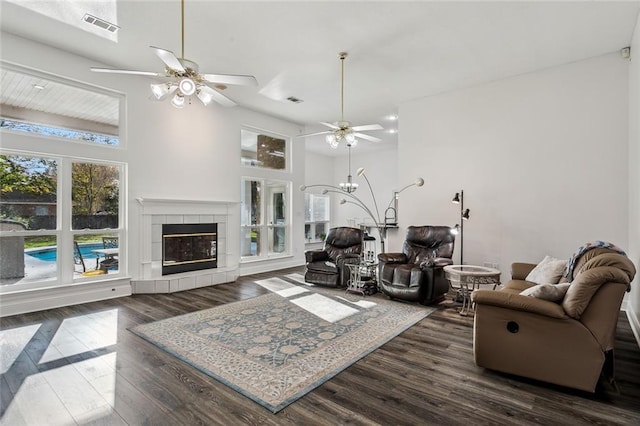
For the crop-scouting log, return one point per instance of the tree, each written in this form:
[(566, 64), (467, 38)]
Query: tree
[(94, 189), (27, 175)]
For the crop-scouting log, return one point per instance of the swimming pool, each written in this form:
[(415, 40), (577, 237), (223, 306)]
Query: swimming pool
[(49, 254)]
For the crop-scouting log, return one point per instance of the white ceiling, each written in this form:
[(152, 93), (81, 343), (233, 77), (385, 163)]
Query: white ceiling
[(398, 51)]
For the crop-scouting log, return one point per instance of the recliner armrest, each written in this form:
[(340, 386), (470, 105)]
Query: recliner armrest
[(393, 258), (436, 262), (347, 258), (508, 300), (315, 255)]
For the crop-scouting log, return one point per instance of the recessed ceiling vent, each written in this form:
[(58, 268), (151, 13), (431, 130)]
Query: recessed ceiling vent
[(294, 99), (112, 28)]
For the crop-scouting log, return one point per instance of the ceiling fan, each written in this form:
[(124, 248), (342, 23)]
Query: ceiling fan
[(183, 78), (342, 130)]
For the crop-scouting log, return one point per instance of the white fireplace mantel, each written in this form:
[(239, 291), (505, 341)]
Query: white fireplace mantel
[(155, 212)]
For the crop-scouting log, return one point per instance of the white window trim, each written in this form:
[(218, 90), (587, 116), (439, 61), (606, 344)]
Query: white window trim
[(65, 234)]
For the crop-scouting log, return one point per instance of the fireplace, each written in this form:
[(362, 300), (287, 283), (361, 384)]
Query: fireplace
[(189, 247)]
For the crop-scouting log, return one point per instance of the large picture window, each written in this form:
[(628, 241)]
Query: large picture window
[(60, 219), (264, 218)]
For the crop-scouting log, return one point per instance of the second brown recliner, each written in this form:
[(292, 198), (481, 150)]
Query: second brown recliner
[(417, 273)]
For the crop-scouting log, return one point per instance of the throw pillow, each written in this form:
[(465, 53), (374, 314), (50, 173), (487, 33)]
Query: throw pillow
[(549, 271), (550, 292)]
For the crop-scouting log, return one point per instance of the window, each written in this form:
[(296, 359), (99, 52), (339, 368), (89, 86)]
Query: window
[(49, 106), (264, 218), (316, 217), (259, 149), (61, 209), (60, 219)]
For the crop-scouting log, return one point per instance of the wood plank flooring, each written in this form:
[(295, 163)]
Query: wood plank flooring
[(81, 365)]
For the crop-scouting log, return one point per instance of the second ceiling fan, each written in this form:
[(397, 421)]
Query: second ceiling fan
[(343, 130)]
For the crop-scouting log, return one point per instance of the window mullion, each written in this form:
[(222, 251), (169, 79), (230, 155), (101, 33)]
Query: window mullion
[(65, 236)]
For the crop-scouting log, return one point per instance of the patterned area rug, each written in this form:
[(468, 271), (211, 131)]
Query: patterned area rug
[(277, 347)]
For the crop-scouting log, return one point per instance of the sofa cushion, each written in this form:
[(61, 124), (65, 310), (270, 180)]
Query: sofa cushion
[(550, 292), (548, 271)]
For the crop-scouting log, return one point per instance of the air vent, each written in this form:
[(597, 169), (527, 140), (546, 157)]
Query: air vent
[(294, 99), (90, 19)]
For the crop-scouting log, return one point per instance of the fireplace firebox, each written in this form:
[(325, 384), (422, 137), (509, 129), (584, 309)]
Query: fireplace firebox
[(189, 247)]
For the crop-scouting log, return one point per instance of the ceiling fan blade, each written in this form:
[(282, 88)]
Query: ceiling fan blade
[(217, 96), (329, 125), (169, 58), (326, 132), (240, 80), (114, 71), (367, 127), (368, 137)]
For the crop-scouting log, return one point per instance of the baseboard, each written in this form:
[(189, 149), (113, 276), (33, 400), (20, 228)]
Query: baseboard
[(56, 297), (634, 322), (258, 267)]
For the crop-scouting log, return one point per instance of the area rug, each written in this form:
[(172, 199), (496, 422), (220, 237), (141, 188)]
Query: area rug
[(277, 347)]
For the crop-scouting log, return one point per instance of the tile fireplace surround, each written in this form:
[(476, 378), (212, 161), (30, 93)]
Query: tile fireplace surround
[(154, 213)]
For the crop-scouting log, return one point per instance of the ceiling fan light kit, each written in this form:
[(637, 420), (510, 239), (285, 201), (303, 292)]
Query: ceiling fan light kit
[(185, 79), (342, 130)]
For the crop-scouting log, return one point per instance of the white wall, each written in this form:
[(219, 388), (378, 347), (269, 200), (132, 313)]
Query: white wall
[(318, 169), (193, 153), (542, 158), (633, 307)]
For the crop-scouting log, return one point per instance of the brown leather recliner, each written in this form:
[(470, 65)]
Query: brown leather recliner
[(326, 267), (564, 343), (417, 273)]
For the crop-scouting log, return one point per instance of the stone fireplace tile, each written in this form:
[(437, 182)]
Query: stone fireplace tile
[(203, 280), (191, 218), (175, 218), (207, 218), (187, 283), (158, 219), (162, 286), (156, 233), (143, 286), (156, 251)]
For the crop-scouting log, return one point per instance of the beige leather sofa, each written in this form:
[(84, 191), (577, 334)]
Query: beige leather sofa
[(564, 343)]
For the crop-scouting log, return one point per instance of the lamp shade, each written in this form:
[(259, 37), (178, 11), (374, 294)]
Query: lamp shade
[(465, 214), (178, 101), (456, 198), (162, 90)]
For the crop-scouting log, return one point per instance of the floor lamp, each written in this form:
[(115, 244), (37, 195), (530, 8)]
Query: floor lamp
[(464, 216)]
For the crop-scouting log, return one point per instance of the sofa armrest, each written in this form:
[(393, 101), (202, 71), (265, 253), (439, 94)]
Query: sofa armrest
[(315, 255), (393, 258), (520, 270), (517, 302)]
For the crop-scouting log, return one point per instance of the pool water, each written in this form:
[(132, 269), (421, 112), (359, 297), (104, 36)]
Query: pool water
[(49, 254)]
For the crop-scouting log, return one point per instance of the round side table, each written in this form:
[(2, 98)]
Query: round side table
[(465, 278)]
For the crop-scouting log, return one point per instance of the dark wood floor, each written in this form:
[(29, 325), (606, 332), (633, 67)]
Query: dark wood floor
[(81, 365)]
